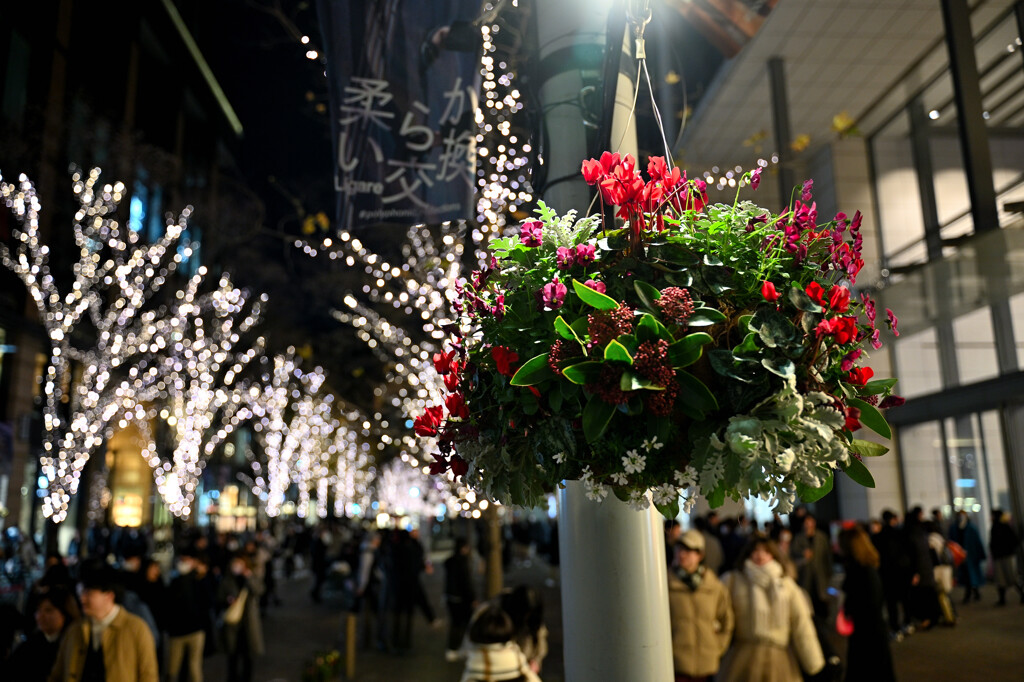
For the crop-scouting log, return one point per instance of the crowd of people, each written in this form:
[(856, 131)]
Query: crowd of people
[(751, 605), (745, 603)]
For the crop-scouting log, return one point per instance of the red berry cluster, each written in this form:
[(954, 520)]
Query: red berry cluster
[(651, 362), (607, 325), (607, 386), (676, 305), (562, 350)]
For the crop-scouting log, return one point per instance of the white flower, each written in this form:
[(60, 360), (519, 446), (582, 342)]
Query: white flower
[(619, 478), (652, 444), (686, 478), (559, 458), (586, 474), (690, 501), (638, 500), (665, 494), (596, 491), (634, 462)]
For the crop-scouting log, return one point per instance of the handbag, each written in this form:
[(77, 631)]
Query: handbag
[(233, 613), (844, 626), (957, 551)]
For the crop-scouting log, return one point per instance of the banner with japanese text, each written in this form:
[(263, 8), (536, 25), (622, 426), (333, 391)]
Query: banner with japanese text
[(403, 77)]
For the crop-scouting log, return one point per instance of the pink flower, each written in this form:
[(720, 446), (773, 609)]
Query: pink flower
[(876, 340), (850, 359), (565, 258), (891, 401), (890, 320), (768, 291), (553, 295), (585, 254), (755, 177), (530, 232), (805, 194), (596, 286)]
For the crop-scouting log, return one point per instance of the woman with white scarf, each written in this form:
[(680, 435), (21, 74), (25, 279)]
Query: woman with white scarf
[(774, 635)]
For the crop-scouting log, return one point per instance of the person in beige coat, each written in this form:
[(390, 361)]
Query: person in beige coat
[(774, 637), (109, 644), (700, 610)]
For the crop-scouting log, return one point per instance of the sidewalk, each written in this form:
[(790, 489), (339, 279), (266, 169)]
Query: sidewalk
[(987, 644)]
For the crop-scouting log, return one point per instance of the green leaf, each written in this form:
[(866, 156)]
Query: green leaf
[(784, 367), (749, 345), (659, 427), (866, 448), (859, 473), (742, 369), (594, 299), (648, 294), (555, 400), (583, 372), (809, 494), (634, 382), (694, 393), (705, 317), (670, 510), (616, 352), (621, 493), (580, 326), (877, 386), (533, 372), (563, 329), (717, 497), (773, 328), (649, 329), (744, 322), (680, 279), (688, 349), (871, 417), (596, 415), (802, 301)]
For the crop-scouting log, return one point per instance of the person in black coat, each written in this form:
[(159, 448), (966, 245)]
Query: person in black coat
[(55, 610), (924, 600), (1003, 543), (868, 655), (459, 596), (894, 570)]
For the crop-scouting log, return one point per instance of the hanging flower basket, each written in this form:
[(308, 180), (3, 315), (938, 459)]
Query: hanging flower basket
[(700, 349)]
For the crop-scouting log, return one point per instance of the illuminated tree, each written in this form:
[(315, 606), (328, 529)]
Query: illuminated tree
[(104, 325)]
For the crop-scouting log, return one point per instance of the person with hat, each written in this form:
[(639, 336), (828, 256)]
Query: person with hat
[(700, 610)]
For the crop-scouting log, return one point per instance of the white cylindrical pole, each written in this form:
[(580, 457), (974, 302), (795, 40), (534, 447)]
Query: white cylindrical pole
[(614, 590)]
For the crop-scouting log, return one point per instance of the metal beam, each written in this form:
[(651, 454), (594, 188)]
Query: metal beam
[(921, 152), (952, 401), (780, 124), (977, 157)]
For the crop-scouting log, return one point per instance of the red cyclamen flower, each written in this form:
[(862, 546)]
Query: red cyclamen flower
[(459, 466), (503, 358), (427, 423), (445, 363), (456, 405), (860, 375), (816, 292), (768, 291), (839, 298)]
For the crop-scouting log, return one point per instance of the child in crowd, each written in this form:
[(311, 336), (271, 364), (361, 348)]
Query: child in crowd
[(493, 655)]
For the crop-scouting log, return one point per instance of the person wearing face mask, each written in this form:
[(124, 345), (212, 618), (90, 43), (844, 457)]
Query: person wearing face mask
[(56, 609), (186, 621), (242, 631), (700, 611), (774, 637)]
